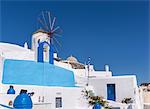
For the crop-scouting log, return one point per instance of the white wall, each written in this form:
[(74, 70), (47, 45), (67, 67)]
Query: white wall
[(71, 96), (93, 73), (125, 86), (11, 51), (101, 74), (81, 75), (1, 68), (63, 65)]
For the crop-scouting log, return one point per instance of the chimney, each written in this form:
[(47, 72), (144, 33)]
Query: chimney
[(107, 68)]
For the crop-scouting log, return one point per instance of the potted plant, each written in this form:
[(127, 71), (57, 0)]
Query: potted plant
[(127, 100), (96, 101)]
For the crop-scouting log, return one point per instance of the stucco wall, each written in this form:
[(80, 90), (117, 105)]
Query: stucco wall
[(125, 86), (71, 96), (146, 96), (1, 67)]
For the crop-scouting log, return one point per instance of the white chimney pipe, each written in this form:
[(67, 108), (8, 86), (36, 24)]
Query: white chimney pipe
[(26, 45), (107, 68), (55, 55)]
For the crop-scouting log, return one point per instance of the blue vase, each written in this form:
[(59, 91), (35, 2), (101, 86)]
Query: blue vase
[(97, 106), (11, 90), (23, 101)]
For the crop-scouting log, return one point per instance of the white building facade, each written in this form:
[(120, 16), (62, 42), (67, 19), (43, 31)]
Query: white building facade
[(102, 83)]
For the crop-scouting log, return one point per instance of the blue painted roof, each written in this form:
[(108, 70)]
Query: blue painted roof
[(24, 72)]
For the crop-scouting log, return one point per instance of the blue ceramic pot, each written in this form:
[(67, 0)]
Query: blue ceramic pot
[(97, 106), (11, 90), (23, 101)]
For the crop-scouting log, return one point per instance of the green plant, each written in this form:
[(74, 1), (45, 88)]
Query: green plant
[(97, 99), (92, 99), (127, 100)]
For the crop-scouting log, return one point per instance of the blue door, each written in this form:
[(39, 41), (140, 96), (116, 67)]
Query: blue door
[(111, 93)]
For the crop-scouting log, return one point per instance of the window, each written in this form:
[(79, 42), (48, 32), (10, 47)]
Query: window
[(58, 102)]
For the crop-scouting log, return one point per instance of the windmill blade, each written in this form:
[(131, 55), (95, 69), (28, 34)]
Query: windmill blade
[(45, 21), (59, 31), (55, 48), (57, 41), (55, 29), (42, 23), (49, 24), (53, 23), (55, 34), (49, 19)]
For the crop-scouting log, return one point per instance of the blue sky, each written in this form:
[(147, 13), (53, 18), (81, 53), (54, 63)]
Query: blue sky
[(114, 33)]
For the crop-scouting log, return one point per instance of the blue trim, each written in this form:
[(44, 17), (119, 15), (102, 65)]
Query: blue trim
[(40, 55), (51, 54)]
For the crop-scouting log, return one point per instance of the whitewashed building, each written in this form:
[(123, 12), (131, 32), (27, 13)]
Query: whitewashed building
[(61, 83)]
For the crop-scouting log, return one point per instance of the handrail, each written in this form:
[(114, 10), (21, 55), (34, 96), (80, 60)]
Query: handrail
[(6, 106)]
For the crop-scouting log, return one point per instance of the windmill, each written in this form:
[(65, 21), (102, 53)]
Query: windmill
[(48, 23)]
